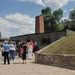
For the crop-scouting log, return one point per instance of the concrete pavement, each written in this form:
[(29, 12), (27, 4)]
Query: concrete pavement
[(31, 68)]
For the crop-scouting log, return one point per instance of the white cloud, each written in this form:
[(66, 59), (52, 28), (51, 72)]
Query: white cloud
[(23, 23), (4, 26), (37, 1), (72, 0), (51, 3), (21, 0), (55, 3), (71, 9), (64, 11), (65, 18)]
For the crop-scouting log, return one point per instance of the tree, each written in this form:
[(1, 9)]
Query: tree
[(0, 34), (60, 27), (58, 15), (51, 19), (65, 23), (72, 18), (72, 25), (70, 22), (46, 13), (72, 15)]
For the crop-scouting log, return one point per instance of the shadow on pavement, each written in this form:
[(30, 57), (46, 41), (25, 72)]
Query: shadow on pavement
[(71, 68)]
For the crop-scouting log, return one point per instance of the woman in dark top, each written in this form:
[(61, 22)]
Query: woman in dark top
[(24, 53)]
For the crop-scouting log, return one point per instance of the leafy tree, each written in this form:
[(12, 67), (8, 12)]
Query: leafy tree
[(72, 25), (65, 22), (69, 23), (72, 15), (58, 15), (0, 34), (60, 27), (72, 19), (51, 19)]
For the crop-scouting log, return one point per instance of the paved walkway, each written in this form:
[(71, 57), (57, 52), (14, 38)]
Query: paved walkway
[(31, 68)]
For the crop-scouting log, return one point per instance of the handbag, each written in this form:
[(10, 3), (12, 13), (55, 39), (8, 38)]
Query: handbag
[(21, 50), (2, 49)]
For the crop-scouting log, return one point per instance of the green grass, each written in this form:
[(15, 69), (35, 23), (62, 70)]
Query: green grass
[(64, 46)]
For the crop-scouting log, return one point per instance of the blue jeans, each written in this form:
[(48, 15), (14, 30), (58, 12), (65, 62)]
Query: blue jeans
[(12, 54)]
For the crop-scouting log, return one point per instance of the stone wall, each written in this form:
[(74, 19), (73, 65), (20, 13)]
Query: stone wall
[(68, 31), (53, 59)]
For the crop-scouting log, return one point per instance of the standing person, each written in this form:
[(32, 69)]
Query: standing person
[(24, 53), (2, 50), (30, 49), (35, 47), (18, 48), (31, 42), (6, 52), (12, 50)]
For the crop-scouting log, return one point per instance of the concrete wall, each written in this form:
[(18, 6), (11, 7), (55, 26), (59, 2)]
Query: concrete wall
[(40, 38)]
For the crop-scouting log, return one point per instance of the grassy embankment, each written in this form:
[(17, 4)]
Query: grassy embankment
[(64, 46)]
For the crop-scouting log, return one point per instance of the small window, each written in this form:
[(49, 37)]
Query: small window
[(45, 41)]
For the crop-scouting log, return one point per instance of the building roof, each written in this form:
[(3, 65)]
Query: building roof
[(4, 38)]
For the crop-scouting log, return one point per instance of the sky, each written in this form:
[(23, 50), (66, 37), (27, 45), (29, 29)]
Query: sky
[(17, 17)]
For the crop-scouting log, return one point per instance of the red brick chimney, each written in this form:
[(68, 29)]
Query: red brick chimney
[(39, 24)]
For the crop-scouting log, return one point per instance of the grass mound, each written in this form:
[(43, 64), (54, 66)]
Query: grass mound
[(64, 46)]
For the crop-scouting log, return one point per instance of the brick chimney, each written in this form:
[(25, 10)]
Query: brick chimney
[(39, 24)]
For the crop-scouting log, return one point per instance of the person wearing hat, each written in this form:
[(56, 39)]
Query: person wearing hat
[(6, 52)]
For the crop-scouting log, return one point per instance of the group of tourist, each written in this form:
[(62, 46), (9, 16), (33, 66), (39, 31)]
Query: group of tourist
[(23, 49)]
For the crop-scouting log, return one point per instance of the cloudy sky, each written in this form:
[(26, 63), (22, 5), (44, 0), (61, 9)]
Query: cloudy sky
[(17, 17)]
